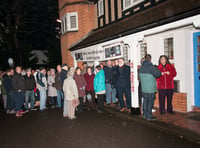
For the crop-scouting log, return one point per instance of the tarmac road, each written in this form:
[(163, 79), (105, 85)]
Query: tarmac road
[(48, 129)]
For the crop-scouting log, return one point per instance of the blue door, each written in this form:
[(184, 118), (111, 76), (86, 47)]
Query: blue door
[(196, 39)]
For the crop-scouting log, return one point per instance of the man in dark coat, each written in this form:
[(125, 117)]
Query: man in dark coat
[(30, 85), (58, 86), (7, 83), (18, 86), (63, 74), (123, 84), (109, 78)]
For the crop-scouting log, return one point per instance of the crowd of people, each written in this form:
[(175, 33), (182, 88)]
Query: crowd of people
[(87, 88)]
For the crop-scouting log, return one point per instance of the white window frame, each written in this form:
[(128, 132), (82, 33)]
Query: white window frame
[(133, 3), (100, 12), (166, 38), (66, 26)]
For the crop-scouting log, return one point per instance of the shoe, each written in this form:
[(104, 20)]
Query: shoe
[(33, 109), (123, 109), (53, 107), (26, 111), (12, 112), (18, 114), (162, 113), (65, 116), (108, 104), (153, 110), (23, 112), (73, 118), (8, 112), (152, 118), (172, 112), (99, 111)]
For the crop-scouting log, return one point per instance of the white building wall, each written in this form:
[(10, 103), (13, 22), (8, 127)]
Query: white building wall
[(183, 51)]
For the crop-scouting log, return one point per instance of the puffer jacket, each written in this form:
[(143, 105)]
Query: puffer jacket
[(166, 81), (148, 74), (99, 82)]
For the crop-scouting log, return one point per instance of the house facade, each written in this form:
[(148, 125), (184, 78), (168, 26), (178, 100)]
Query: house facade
[(132, 28)]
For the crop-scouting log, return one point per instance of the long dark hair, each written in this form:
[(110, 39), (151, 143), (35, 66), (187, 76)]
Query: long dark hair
[(166, 58)]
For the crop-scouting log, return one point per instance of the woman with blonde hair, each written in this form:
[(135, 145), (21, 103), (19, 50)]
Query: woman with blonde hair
[(71, 100), (52, 92)]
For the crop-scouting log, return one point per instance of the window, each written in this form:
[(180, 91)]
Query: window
[(100, 8), (130, 3), (69, 22), (143, 49), (169, 48)]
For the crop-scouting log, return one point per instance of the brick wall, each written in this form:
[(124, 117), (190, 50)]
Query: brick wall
[(179, 102), (85, 25)]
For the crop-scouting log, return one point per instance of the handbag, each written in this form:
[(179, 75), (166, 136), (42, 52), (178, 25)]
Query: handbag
[(75, 102)]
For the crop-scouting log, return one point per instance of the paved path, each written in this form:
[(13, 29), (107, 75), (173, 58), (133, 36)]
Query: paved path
[(48, 129)]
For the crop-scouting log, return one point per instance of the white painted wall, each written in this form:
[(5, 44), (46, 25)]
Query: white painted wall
[(183, 51)]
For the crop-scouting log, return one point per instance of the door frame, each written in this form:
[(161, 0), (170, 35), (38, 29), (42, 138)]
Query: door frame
[(196, 73)]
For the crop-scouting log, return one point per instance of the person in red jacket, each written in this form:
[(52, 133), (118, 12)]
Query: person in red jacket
[(80, 83), (89, 89), (165, 84)]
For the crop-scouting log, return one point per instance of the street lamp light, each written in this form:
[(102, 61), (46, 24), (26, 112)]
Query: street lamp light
[(58, 20)]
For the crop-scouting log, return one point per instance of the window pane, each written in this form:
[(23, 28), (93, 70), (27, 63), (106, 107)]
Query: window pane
[(198, 49), (127, 3), (143, 49), (168, 48), (198, 67), (134, 1), (198, 58), (198, 39), (100, 7), (73, 22)]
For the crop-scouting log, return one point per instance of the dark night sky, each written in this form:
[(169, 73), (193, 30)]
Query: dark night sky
[(29, 25)]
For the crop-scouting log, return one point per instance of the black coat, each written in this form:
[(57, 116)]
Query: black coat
[(18, 82), (63, 76), (7, 83), (29, 82), (122, 79), (109, 74), (58, 81)]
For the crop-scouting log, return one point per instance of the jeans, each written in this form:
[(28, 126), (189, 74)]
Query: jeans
[(43, 99), (148, 104), (59, 97), (29, 94), (11, 101), (162, 94), (19, 100), (110, 92), (127, 92)]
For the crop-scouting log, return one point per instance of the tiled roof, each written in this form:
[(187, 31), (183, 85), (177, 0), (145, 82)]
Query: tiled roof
[(169, 11)]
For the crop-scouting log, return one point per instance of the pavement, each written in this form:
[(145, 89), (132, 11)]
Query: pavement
[(112, 129), (183, 125)]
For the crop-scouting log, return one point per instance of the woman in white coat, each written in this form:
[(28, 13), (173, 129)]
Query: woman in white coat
[(71, 100), (52, 92)]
